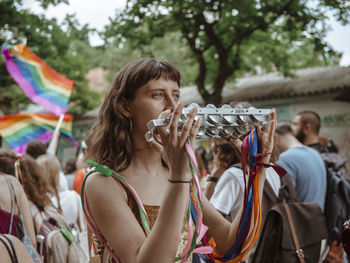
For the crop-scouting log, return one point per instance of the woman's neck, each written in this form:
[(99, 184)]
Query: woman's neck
[(146, 160)]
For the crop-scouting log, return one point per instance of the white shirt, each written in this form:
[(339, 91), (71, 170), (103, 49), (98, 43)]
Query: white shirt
[(229, 190), (63, 181), (70, 204), (228, 193)]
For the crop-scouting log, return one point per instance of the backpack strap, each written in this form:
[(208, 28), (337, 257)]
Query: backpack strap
[(299, 251)]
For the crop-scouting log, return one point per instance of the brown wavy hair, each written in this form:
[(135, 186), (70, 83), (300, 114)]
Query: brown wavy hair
[(109, 140), (51, 168), (226, 153), (33, 181)]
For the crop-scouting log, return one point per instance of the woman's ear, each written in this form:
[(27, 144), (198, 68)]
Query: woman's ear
[(125, 110)]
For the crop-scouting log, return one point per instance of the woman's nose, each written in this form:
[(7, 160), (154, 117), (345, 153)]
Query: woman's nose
[(170, 103)]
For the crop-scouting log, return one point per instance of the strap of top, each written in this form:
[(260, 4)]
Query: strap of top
[(12, 208), (14, 196), (11, 252), (12, 247)]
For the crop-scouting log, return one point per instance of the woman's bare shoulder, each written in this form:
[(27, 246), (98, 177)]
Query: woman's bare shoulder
[(14, 181), (99, 185), (20, 250)]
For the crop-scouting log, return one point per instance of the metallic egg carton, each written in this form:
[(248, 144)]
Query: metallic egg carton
[(225, 122)]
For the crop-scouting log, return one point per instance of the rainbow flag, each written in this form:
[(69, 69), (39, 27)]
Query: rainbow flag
[(40, 83), (19, 129)]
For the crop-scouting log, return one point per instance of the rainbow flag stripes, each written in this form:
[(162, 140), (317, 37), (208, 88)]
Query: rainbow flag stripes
[(41, 83), (19, 129)]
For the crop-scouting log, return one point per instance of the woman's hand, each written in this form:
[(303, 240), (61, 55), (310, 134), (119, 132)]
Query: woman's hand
[(173, 150), (266, 137)]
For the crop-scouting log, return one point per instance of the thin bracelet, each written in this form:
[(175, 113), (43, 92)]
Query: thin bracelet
[(179, 181)]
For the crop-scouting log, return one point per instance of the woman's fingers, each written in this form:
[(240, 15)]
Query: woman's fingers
[(162, 130), (273, 120), (175, 122), (194, 132), (156, 146), (187, 126), (267, 137)]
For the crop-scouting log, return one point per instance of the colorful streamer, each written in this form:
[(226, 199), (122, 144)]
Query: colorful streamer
[(40, 83), (19, 129)]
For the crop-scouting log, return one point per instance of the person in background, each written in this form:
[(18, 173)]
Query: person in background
[(328, 142), (67, 202), (303, 164), (81, 165), (69, 171), (33, 185), (306, 128), (6, 206), (225, 185), (36, 148)]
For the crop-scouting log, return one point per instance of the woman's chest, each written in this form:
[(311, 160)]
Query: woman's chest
[(150, 190)]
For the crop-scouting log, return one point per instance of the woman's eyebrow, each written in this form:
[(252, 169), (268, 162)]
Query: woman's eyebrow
[(157, 89)]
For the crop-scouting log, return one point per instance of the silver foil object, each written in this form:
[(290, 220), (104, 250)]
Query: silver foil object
[(224, 122)]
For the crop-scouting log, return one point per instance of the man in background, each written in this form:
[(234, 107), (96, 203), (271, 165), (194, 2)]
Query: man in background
[(306, 128), (303, 164)]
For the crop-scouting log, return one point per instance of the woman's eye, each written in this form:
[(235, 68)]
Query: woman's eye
[(157, 95), (176, 96)]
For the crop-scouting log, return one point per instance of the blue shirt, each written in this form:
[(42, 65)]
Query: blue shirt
[(308, 172)]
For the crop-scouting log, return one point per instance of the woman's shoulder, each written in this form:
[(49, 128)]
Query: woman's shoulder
[(14, 181), (98, 184)]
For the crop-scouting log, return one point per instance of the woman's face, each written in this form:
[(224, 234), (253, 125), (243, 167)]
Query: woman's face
[(150, 100)]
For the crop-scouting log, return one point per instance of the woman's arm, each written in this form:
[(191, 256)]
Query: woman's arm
[(108, 206), (223, 232), (210, 185)]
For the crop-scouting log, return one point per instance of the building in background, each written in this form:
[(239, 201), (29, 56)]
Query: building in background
[(325, 90)]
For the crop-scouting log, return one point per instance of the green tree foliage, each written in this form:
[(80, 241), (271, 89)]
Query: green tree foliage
[(229, 37), (57, 47), (168, 48)]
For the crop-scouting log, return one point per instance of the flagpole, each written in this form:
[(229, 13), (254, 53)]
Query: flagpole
[(56, 134)]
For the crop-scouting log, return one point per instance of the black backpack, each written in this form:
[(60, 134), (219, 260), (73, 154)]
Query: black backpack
[(337, 206), (276, 242)]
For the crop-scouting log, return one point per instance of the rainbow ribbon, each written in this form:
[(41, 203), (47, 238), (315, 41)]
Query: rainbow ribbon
[(246, 234), (196, 234), (40, 83)]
